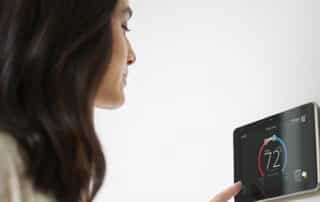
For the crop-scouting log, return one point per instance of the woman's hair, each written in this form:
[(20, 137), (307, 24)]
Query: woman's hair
[(53, 55)]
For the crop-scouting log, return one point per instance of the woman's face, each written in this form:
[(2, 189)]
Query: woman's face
[(110, 94)]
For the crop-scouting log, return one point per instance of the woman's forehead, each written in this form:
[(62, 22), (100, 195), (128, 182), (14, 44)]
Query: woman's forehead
[(123, 3), (123, 8)]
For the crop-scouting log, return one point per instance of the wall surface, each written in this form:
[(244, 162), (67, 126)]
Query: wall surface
[(203, 68)]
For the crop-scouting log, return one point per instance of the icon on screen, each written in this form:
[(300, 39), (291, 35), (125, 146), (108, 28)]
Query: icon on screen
[(304, 174), (300, 175)]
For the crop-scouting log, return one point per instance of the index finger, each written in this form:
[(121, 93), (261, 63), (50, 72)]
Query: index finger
[(228, 193)]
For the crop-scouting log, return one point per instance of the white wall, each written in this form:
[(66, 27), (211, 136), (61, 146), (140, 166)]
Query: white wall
[(203, 68)]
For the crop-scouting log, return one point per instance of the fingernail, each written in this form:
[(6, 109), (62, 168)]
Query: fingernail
[(239, 182)]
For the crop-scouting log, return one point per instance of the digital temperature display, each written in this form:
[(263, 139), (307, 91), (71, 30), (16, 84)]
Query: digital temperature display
[(272, 156)]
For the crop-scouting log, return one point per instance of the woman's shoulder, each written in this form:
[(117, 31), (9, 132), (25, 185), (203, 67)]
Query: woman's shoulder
[(15, 185), (10, 156)]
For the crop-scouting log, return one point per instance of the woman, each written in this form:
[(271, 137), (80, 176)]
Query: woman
[(59, 59)]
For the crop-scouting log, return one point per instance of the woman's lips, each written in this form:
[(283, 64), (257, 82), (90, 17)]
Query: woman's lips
[(124, 79)]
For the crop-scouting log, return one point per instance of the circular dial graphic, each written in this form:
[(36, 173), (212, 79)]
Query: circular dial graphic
[(272, 156)]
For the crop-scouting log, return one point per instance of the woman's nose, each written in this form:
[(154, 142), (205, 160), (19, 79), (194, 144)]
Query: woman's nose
[(131, 55)]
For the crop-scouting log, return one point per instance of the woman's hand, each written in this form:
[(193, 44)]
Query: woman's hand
[(228, 193)]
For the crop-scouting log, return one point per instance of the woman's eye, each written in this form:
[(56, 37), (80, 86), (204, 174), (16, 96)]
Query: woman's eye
[(125, 27)]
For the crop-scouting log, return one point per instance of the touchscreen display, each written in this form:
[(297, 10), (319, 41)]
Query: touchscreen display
[(277, 155)]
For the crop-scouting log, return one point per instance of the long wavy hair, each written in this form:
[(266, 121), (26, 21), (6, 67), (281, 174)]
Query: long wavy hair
[(53, 55)]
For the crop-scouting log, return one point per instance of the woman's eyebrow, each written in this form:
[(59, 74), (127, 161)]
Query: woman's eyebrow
[(127, 10)]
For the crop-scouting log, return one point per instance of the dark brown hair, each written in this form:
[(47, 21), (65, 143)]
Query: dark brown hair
[(53, 55)]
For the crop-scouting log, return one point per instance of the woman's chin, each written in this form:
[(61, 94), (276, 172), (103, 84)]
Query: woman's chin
[(114, 103)]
